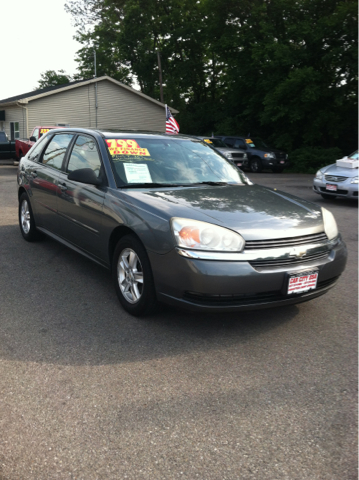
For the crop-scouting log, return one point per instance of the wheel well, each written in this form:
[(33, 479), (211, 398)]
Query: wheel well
[(115, 237), (20, 192)]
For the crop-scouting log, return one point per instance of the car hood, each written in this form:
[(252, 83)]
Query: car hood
[(254, 211), (340, 171)]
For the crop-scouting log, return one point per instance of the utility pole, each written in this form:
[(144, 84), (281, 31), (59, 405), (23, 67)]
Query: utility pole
[(160, 74), (96, 105)]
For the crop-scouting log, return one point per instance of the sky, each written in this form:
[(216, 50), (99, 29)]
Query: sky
[(37, 35)]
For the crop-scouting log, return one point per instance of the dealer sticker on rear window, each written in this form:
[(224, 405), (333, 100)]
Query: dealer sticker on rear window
[(128, 148)]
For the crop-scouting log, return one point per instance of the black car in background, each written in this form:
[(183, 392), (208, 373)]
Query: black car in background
[(260, 155)]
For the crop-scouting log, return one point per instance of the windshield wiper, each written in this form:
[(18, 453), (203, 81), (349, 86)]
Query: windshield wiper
[(211, 183), (152, 185)]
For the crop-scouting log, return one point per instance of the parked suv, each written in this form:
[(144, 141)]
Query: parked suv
[(235, 155), (260, 155)]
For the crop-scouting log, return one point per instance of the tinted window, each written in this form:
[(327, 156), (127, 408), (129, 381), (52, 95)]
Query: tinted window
[(84, 155), (239, 144), (229, 141), (56, 149)]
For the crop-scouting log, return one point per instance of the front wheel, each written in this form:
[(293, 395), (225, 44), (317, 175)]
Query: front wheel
[(255, 165), (132, 275), (26, 220)]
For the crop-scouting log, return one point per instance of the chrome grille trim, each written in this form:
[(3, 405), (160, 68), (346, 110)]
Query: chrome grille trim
[(283, 262), (335, 178), (286, 242)]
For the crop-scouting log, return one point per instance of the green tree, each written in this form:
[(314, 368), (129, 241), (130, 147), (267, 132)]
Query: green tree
[(51, 78)]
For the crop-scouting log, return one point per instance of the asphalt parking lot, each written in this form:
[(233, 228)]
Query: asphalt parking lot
[(89, 392)]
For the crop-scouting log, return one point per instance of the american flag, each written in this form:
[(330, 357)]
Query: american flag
[(171, 124)]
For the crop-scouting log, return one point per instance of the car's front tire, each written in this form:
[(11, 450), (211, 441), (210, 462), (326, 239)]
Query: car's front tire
[(26, 220), (132, 275), (255, 165)]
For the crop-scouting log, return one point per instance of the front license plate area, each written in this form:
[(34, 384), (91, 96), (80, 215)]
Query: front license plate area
[(282, 161), (239, 164), (302, 282), (331, 188)]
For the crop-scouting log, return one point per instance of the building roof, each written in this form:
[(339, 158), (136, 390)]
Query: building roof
[(44, 92)]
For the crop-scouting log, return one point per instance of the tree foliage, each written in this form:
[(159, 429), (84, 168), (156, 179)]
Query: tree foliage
[(280, 69), (51, 78)]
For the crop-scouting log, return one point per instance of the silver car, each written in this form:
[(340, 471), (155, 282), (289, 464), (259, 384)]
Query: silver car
[(175, 222), (337, 180)]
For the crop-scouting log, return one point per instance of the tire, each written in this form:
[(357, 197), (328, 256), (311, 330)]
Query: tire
[(132, 275), (277, 169), (26, 220), (327, 196), (255, 165)]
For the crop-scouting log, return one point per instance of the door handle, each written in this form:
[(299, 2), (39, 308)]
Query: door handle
[(33, 173), (63, 186)]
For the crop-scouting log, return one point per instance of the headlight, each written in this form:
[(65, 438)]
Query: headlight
[(269, 155), (205, 236), (319, 175), (355, 180), (228, 155), (330, 225)]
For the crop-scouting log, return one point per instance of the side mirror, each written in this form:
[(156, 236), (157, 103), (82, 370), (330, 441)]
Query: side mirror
[(32, 139), (84, 175)]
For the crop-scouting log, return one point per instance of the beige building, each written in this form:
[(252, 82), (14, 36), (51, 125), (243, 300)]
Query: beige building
[(100, 102)]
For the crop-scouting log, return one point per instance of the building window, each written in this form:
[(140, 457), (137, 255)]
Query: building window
[(14, 130)]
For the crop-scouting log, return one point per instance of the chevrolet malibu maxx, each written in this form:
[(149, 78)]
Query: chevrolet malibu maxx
[(175, 222)]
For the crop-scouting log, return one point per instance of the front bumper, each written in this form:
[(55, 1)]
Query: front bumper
[(216, 285), (344, 189)]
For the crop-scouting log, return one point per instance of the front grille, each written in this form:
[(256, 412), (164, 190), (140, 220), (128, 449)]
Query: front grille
[(286, 242), (280, 156), (288, 262), (237, 155), (335, 178), (251, 299), (337, 192)]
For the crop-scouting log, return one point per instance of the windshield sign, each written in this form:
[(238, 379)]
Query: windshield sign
[(143, 161)]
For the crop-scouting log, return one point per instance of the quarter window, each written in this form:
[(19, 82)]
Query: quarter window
[(56, 149), (84, 155)]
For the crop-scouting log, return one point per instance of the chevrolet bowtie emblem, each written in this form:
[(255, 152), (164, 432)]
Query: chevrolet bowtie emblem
[(297, 252)]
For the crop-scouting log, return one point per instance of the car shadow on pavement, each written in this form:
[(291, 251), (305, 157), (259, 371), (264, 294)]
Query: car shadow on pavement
[(59, 307)]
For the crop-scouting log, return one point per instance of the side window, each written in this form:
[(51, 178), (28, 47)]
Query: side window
[(84, 155), (56, 149), (34, 153), (240, 144), (36, 133), (3, 137), (229, 141)]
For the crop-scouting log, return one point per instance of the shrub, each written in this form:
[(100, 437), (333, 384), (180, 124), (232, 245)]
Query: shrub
[(311, 159)]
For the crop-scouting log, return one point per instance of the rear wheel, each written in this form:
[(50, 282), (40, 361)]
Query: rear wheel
[(327, 197), (132, 275), (26, 220), (255, 165)]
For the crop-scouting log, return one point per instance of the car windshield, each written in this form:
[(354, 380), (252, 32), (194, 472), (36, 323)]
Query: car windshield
[(215, 142), (139, 161), (354, 155)]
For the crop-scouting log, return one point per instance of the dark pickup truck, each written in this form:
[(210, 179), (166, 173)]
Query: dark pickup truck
[(7, 147)]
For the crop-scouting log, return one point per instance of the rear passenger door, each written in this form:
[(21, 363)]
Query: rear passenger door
[(80, 205)]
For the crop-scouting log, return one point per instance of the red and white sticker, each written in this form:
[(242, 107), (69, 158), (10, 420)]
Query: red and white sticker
[(332, 188), (302, 283)]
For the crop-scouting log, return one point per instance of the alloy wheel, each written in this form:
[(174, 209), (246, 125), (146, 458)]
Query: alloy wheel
[(130, 275), (25, 217)]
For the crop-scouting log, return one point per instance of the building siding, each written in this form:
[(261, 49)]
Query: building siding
[(14, 114), (118, 108)]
